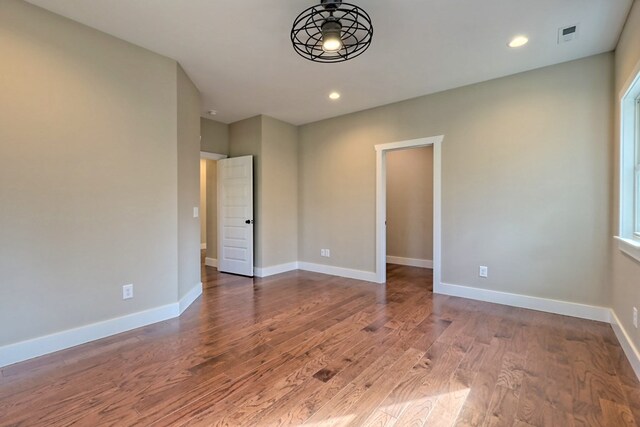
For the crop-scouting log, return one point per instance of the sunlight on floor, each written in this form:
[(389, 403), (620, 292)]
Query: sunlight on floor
[(338, 421), (439, 410)]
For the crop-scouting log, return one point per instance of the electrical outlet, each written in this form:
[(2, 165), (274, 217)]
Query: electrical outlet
[(325, 253), (635, 317), (127, 292), (484, 271)]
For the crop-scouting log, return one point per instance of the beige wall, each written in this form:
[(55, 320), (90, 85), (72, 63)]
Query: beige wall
[(203, 201), (526, 180), (625, 271), (88, 167), (188, 101), (215, 136), (212, 209), (279, 211), (410, 203)]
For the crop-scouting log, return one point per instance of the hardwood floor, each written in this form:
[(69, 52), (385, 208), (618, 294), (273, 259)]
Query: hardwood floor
[(308, 348)]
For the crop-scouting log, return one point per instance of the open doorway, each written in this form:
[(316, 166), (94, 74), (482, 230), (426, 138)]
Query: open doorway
[(410, 213), (208, 208), (382, 150)]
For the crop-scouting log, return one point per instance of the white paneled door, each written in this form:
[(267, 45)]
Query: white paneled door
[(235, 215)]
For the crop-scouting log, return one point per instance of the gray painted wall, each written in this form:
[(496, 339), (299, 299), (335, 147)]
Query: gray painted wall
[(410, 203), (215, 136), (625, 283), (88, 175), (188, 101), (273, 145), (525, 180), (280, 192)]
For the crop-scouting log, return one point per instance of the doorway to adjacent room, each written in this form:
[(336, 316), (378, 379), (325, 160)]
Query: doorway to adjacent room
[(382, 151)]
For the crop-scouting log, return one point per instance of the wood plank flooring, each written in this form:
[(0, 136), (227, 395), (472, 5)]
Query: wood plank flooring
[(305, 348)]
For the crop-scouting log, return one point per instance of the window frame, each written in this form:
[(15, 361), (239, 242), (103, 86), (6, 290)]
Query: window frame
[(629, 193), (636, 178)]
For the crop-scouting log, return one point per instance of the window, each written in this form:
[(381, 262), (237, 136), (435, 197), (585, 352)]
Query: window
[(636, 168), (629, 235)]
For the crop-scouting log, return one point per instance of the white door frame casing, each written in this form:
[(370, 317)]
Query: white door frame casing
[(381, 204), (205, 155)]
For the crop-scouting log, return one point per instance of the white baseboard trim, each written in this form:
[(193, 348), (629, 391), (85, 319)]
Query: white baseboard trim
[(203, 246), (211, 262), (368, 276), (583, 311), (630, 350), (411, 262), (24, 350), (275, 269), (189, 298), (29, 349)]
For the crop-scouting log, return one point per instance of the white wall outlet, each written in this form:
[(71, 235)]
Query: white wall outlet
[(484, 271), (635, 317), (325, 253), (127, 292), (196, 212)]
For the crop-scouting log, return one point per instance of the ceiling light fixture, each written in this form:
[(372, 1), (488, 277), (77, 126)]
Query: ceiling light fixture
[(332, 31), (518, 41), (334, 95)]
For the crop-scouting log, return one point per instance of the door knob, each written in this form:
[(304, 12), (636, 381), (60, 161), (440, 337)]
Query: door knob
[(249, 221)]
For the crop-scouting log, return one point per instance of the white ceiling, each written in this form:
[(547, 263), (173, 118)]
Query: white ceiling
[(239, 54)]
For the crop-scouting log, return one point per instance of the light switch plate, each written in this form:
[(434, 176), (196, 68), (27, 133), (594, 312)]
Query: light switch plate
[(196, 212)]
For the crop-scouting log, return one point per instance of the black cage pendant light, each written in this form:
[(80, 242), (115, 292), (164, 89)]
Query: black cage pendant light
[(332, 31)]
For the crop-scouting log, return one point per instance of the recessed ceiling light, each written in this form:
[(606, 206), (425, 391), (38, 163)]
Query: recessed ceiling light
[(518, 41), (212, 112), (334, 95)]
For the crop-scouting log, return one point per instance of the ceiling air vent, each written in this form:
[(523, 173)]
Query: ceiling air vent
[(567, 34)]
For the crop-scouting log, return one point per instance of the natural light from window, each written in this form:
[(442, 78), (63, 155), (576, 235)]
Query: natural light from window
[(637, 165), (629, 233), (432, 409)]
